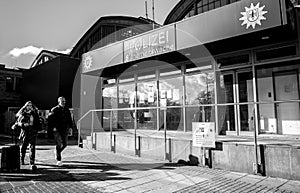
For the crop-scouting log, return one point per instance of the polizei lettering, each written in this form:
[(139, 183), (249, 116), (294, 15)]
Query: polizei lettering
[(148, 45), (151, 40)]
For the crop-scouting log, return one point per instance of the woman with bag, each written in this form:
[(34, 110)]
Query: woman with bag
[(28, 120)]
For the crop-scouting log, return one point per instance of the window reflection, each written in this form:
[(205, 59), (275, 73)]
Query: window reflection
[(245, 93), (109, 102), (170, 93), (200, 89), (225, 88), (279, 91), (109, 98), (226, 119), (199, 114), (226, 113), (147, 97), (127, 97)]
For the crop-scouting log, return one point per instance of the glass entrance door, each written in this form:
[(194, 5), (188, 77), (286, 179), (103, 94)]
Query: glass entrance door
[(235, 95), (226, 99), (244, 97)]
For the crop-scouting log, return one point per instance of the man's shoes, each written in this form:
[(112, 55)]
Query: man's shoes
[(33, 167), (59, 163)]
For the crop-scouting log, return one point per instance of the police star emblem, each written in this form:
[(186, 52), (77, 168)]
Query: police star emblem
[(87, 62), (253, 15)]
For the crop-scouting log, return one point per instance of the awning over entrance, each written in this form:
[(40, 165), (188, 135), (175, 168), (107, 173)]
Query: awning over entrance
[(240, 18)]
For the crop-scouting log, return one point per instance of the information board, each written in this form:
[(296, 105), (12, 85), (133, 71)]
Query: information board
[(204, 134)]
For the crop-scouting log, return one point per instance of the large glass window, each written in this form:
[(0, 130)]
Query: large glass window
[(235, 99), (278, 94), (109, 95), (170, 91), (170, 95), (146, 98), (199, 98), (245, 95), (225, 96), (127, 99), (200, 89)]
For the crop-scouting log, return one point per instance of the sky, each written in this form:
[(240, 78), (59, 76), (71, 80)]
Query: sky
[(29, 26)]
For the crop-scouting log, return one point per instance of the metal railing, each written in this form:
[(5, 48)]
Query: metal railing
[(134, 122), (163, 110)]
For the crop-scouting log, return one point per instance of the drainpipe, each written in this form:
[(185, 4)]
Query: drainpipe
[(255, 123), (256, 164), (93, 136), (165, 132)]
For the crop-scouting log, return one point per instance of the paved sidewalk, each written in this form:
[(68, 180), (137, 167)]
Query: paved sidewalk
[(93, 171)]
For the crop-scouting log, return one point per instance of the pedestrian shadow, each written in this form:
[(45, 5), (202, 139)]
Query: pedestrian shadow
[(115, 166), (45, 141), (50, 173), (104, 166), (78, 166), (78, 171)]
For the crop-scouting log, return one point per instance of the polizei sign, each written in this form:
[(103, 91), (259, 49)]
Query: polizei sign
[(155, 43)]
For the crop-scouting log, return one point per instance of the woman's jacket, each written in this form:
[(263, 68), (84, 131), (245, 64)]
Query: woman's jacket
[(28, 130)]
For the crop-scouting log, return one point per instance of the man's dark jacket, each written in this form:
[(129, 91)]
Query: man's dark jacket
[(60, 118)]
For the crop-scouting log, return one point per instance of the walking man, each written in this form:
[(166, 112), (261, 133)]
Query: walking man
[(60, 121)]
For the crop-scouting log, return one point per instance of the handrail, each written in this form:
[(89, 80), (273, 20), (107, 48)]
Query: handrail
[(172, 107), (194, 105), (84, 116), (79, 129)]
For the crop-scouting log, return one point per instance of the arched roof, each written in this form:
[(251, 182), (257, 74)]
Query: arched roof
[(179, 11), (183, 7), (139, 24)]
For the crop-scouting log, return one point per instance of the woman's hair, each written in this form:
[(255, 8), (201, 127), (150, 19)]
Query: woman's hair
[(23, 109)]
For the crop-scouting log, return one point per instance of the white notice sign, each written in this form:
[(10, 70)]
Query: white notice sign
[(163, 103), (151, 97), (204, 134), (169, 94), (142, 98), (176, 94)]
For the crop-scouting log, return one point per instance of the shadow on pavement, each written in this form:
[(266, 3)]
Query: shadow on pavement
[(115, 166), (46, 141), (6, 139), (76, 171), (79, 173)]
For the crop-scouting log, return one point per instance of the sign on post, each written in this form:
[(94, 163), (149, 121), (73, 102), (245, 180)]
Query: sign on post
[(204, 134)]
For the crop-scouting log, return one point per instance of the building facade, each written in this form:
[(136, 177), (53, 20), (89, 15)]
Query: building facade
[(53, 74), (232, 64), (10, 96)]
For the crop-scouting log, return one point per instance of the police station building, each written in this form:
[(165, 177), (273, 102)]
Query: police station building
[(225, 70)]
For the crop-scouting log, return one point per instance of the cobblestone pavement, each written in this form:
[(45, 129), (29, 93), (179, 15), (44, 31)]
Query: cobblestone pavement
[(93, 171)]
